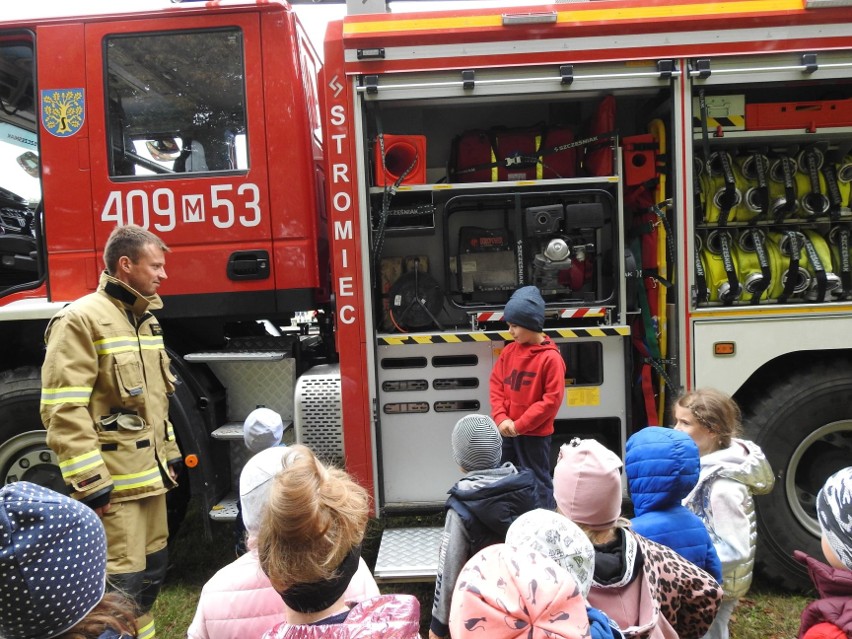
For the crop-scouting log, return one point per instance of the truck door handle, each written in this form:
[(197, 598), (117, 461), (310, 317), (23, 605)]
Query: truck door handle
[(248, 265)]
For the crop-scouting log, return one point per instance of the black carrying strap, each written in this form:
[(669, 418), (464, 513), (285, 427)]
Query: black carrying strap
[(811, 170), (818, 267), (387, 196), (702, 294), (793, 268), (765, 270), (789, 189), (845, 267), (835, 199), (527, 161), (761, 170), (729, 197), (705, 136), (734, 289), (670, 243)]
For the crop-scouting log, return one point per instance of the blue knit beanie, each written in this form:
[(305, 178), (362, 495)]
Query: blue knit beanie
[(52, 561), (526, 308)]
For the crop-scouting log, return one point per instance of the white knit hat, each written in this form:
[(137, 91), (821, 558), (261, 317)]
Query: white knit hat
[(52, 561), (262, 429), (256, 481), (477, 444), (555, 536)]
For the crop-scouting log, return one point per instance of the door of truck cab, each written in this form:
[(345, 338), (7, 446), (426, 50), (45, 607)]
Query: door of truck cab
[(177, 145)]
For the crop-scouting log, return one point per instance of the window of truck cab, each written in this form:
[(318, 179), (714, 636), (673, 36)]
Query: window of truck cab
[(176, 103)]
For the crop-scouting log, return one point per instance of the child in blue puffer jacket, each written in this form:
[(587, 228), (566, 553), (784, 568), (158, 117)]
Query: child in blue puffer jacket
[(662, 467)]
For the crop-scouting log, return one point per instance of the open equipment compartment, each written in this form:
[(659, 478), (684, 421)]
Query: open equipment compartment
[(560, 241)]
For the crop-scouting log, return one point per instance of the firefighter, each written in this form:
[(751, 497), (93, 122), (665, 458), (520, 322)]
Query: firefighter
[(105, 385)]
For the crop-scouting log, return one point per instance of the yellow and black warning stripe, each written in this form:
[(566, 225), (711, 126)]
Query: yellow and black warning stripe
[(499, 336), (724, 121)]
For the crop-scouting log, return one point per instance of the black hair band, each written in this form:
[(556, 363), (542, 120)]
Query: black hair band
[(319, 595)]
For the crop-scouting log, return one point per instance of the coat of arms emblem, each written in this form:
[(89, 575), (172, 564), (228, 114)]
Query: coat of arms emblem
[(63, 111)]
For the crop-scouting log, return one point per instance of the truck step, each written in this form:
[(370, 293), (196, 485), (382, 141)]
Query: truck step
[(225, 510), (234, 430), (408, 554), (235, 356)]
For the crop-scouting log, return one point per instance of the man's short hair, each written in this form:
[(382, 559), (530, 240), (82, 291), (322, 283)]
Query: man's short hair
[(129, 240)]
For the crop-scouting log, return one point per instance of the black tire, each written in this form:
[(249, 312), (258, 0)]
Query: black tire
[(803, 423), (24, 455)]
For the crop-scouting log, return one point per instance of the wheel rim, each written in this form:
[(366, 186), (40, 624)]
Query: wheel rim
[(26, 457), (822, 453)]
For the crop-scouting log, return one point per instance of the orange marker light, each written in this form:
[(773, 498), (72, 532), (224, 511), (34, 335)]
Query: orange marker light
[(191, 461), (724, 349)]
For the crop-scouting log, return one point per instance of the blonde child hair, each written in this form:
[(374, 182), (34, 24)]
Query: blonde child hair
[(714, 410), (314, 517)]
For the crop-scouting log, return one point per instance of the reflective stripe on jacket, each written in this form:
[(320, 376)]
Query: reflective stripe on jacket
[(105, 387)]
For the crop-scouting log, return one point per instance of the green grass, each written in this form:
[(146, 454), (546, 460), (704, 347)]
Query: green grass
[(765, 613)]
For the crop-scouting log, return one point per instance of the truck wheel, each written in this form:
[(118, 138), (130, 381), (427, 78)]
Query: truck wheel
[(24, 454), (803, 423)]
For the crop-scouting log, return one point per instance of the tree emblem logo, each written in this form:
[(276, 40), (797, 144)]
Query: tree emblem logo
[(62, 111)]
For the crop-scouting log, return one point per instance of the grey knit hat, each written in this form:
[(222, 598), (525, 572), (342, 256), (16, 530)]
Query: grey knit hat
[(526, 308), (52, 561), (834, 511), (477, 444)]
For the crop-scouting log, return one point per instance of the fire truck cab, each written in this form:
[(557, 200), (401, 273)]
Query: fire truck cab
[(201, 124)]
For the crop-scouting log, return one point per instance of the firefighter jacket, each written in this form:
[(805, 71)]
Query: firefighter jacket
[(104, 402)]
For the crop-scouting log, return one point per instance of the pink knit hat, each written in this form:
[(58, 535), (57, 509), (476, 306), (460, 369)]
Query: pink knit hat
[(587, 484), (508, 593)]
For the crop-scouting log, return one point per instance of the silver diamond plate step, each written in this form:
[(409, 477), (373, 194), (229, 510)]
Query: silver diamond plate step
[(225, 510), (408, 554), (234, 430)]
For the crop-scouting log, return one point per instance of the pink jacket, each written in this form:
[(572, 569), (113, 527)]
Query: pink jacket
[(238, 602), (671, 597), (382, 617)]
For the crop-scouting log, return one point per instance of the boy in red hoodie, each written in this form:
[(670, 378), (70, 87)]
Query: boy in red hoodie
[(527, 387)]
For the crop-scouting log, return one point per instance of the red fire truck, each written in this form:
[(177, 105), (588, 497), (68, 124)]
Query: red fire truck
[(674, 177)]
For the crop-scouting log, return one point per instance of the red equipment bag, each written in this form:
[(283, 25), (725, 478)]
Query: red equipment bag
[(558, 153), (501, 154), (471, 157), (599, 156)]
